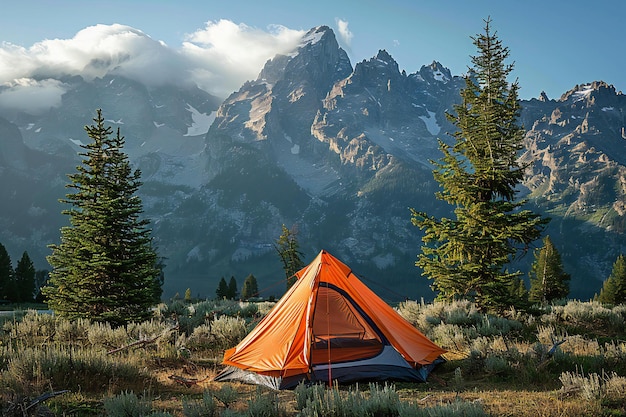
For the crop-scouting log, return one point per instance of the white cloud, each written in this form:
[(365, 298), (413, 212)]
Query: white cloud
[(94, 52), (344, 33), (218, 58), (224, 54), (30, 95)]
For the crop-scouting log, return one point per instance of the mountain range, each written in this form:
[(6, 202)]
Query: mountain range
[(337, 152)]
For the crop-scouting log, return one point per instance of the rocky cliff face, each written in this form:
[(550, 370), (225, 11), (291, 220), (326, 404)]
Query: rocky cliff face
[(575, 146), (341, 153), (164, 129)]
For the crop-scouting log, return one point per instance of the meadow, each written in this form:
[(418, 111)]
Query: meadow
[(565, 359)]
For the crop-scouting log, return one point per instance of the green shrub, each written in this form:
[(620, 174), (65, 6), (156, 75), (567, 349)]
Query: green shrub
[(201, 338), (33, 330), (264, 404), (492, 325), (462, 313), (454, 409), (317, 401), (206, 407), (228, 331), (306, 393), (127, 404), (227, 395), (34, 370), (382, 401), (496, 365), (592, 316), (453, 337), (71, 332), (102, 335)]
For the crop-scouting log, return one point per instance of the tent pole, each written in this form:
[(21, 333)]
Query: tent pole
[(330, 373)]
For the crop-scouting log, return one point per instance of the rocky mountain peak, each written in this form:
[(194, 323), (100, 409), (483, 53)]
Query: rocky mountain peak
[(588, 93), (340, 153), (316, 35), (384, 58), (435, 72), (381, 69), (318, 57), (543, 97)]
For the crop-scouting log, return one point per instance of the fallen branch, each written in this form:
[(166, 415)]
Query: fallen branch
[(143, 342), (45, 397), (550, 353), (552, 350)]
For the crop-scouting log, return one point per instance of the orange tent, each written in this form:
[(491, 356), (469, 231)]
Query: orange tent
[(330, 327)]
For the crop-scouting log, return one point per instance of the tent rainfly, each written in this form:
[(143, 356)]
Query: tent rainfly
[(329, 326)]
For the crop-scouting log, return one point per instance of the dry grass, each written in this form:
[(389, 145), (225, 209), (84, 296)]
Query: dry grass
[(496, 401), (501, 363)]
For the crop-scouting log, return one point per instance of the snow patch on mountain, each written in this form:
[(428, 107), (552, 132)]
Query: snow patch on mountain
[(313, 37), (582, 94), (77, 142), (201, 122), (439, 76), (431, 123)]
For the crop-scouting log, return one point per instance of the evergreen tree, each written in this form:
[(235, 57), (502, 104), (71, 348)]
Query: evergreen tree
[(24, 279), (465, 257), (222, 289), (519, 293), (614, 288), (105, 267), (289, 252), (6, 275), (232, 289), (250, 287), (548, 280)]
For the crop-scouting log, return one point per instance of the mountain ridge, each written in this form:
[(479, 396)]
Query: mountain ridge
[(340, 152)]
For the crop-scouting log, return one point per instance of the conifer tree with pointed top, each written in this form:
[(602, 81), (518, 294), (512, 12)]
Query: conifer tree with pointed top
[(614, 287), (221, 291), (6, 275), (232, 288), (288, 250), (465, 256), (250, 287), (24, 279), (548, 279), (105, 267)]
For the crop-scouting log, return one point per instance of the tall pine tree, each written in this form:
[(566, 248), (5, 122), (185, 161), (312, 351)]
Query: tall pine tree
[(232, 288), (288, 250), (25, 279), (548, 280), (466, 256), (105, 267), (6, 275), (250, 287), (222, 289), (614, 288)]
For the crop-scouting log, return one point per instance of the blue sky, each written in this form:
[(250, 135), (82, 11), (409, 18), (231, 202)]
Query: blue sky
[(554, 44)]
